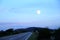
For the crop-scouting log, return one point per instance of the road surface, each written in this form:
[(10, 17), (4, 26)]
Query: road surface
[(22, 36)]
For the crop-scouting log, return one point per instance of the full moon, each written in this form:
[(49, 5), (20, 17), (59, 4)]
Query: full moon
[(38, 12)]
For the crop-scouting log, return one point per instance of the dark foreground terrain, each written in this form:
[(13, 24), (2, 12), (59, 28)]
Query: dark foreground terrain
[(21, 36), (36, 33)]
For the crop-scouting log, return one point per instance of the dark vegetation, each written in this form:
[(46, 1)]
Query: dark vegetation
[(17, 31), (44, 34), (41, 33)]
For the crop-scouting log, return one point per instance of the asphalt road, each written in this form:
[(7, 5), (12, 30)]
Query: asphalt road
[(22, 36)]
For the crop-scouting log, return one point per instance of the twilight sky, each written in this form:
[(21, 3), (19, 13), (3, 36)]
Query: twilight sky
[(24, 12)]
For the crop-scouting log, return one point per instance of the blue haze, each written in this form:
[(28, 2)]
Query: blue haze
[(23, 12)]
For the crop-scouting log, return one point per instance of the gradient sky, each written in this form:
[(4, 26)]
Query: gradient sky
[(24, 12)]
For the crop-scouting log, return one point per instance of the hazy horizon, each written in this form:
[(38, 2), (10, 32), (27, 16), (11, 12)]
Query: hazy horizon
[(5, 26)]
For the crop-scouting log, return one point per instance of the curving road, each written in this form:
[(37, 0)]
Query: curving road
[(22, 36)]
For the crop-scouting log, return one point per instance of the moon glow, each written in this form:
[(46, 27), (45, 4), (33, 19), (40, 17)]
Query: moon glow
[(38, 12)]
